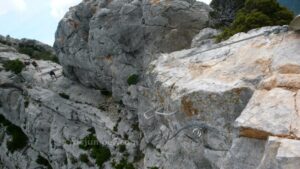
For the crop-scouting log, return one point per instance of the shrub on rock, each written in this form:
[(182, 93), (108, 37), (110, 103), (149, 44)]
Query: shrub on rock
[(15, 66), (256, 14), (123, 164), (99, 152), (43, 161), (133, 79), (37, 53), (122, 148), (18, 138), (84, 158)]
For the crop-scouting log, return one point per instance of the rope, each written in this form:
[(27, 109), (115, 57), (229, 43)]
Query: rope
[(202, 126), (145, 113), (164, 114), (265, 33)]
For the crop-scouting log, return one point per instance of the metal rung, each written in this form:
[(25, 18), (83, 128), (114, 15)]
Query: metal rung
[(156, 111), (149, 117), (164, 114)]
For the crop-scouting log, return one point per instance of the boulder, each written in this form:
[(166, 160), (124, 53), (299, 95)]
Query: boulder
[(101, 44)]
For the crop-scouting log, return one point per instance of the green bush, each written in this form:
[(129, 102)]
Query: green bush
[(99, 152), (43, 161), (152, 167), (133, 79), (19, 139), (123, 164), (88, 142), (64, 95), (102, 154), (4, 121), (84, 158), (15, 66), (37, 53), (122, 148), (92, 130), (256, 14)]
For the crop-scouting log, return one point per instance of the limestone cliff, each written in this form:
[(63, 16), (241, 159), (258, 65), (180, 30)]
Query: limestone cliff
[(131, 93), (101, 43)]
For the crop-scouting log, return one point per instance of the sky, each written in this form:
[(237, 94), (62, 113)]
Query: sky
[(34, 19)]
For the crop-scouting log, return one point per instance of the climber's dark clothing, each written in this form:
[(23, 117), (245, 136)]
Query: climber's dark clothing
[(52, 74), (36, 66)]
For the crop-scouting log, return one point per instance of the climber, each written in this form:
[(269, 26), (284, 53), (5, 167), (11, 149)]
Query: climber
[(52, 74), (36, 66), (26, 63)]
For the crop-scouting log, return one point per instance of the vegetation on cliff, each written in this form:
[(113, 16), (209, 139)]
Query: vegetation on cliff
[(133, 79), (18, 139), (224, 11), (255, 14), (43, 161), (15, 66), (37, 53), (98, 151)]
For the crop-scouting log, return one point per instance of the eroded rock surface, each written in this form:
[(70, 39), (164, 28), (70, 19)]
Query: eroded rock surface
[(232, 107), (102, 43), (56, 115), (245, 92)]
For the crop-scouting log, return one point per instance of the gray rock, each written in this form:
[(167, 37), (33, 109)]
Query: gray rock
[(102, 43), (224, 11), (205, 37), (56, 125), (234, 106), (280, 153), (245, 153)]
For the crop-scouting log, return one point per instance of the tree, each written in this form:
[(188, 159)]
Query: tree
[(256, 14)]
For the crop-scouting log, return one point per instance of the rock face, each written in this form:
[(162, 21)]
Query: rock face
[(215, 106), (244, 96), (224, 11), (206, 37), (55, 115), (102, 43)]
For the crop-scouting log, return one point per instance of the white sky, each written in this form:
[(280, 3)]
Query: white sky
[(206, 1), (35, 19)]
